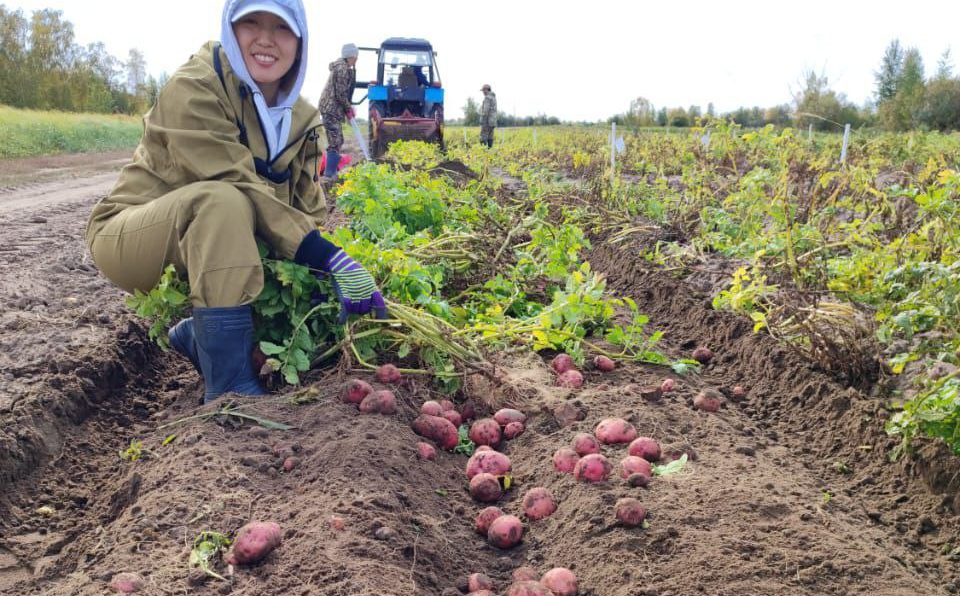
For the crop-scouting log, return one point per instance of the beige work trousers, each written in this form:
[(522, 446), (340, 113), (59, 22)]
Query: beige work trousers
[(205, 229)]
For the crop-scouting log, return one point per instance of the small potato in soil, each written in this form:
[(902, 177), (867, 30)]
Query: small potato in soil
[(485, 518), (561, 363), (505, 416), (388, 373), (485, 488), (453, 416), (447, 405), (379, 402), (630, 512), (604, 364), (525, 574), (355, 390), (592, 467), (290, 464), (561, 581), (613, 431), (703, 355), (645, 447), (426, 451), (572, 379), (738, 392), (529, 588), (479, 581), (254, 541), (437, 429), (538, 503), (584, 444), (513, 430), (431, 408), (708, 401), (485, 431), (505, 532), (565, 459), (489, 461), (635, 465), (126, 583), (667, 386)]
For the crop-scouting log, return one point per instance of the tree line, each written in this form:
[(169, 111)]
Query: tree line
[(43, 67)]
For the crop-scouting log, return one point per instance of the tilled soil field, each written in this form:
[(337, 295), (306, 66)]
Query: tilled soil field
[(788, 490)]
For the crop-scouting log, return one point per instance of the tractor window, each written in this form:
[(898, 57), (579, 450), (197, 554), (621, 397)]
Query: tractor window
[(394, 62)]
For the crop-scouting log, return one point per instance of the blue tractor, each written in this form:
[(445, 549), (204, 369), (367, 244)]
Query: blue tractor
[(406, 100)]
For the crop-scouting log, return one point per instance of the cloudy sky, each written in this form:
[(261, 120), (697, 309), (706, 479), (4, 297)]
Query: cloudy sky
[(575, 60)]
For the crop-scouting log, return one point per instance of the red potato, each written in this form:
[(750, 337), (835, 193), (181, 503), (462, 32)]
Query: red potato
[(484, 448), (482, 593), (485, 518), (667, 386), (290, 464), (539, 503), (565, 460), (388, 373), (426, 451), (524, 574), (388, 401), (561, 581), (254, 541), (513, 430), (126, 583), (488, 461), (613, 431), (479, 581), (592, 467), (447, 405), (638, 480), (635, 465), (604, 364), (630, 512), (505, 532), (485, 488), (468, 411), (646, 448), (337, 523), (431, 408), (437, 429), (585, 444), (485, 431), (370, 404), (529, 588), (505, 416), (354, 391), (706, 402), (703, 355), (561, 363), (453, 417), (572, 379), (739, 392)]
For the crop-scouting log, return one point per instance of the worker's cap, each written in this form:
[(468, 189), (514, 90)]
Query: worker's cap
[(245, 7), (485, 88), (349, 50)]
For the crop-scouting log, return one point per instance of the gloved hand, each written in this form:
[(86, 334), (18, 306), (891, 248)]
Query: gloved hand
[(350, 114), (355, 287)]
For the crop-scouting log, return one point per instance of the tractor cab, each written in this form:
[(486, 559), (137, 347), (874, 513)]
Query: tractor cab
[(406, 100)]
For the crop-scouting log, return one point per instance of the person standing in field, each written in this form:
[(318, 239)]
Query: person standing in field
[(488, 116), (228, 155), (336, 104)]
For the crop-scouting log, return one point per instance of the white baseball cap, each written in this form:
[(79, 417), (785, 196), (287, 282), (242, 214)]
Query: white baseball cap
[(245, 7)]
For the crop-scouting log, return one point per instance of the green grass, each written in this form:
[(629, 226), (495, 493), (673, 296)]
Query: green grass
[(29, 133)]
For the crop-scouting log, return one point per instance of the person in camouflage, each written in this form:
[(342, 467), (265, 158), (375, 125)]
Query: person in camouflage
[(488, 116), (335, 104)]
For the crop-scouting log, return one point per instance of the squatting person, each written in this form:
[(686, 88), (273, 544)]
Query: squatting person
[(228, 154), (336, 106)]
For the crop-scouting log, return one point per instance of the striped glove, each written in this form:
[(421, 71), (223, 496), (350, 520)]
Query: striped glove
[(355, 287)]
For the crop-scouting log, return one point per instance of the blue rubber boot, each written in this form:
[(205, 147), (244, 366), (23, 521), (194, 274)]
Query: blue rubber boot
[(224, 340), (333, 160), (183, 341)]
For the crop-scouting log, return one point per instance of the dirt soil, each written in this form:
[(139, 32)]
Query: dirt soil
[(789, 492)]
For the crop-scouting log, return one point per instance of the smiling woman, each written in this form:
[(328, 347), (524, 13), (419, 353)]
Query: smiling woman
[(229, 154)]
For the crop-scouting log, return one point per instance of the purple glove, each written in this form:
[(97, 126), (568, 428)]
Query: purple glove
[(355, 287)]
